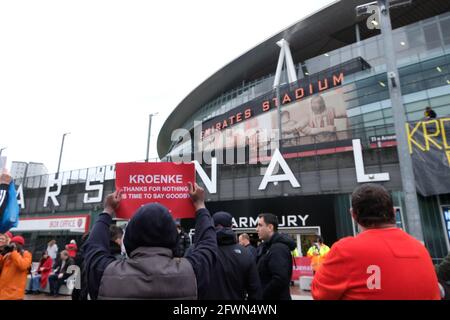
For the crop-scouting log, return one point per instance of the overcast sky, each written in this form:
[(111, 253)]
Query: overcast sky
[(98, 68)]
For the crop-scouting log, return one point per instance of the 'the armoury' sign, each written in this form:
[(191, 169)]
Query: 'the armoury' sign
[(429, 146)]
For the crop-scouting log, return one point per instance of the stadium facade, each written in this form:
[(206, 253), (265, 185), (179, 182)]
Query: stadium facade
[(340, 95)]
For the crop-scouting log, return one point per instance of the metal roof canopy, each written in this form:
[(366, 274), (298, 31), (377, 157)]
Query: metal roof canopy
[(337, 31)]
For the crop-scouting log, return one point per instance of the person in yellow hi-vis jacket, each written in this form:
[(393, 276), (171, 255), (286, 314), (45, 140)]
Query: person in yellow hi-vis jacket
[(317, 253)]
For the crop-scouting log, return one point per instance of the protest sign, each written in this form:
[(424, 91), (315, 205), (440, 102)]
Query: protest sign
[(162, 182)]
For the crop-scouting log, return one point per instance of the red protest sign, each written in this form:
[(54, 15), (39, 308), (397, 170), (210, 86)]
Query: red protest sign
[(301, 267), (162, 182)]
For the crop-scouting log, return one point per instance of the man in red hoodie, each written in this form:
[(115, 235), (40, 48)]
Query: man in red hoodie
[(381, 263)]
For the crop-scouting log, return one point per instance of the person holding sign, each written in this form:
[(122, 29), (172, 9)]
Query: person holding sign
[(151, 271)]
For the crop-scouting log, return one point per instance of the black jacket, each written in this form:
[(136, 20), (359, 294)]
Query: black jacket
[(275, 267), (235, 274), (183, 244), (443, 273), (97, 254), (82, 293), (252, 251), (116, 251), (443, 269), (63, 269)]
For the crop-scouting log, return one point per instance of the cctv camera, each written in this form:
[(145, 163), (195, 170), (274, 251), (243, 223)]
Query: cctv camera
[(365, 8), (391, 76)]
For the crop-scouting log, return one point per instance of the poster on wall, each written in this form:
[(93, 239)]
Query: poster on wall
[(321, 118), (429, 146), (319, 122)]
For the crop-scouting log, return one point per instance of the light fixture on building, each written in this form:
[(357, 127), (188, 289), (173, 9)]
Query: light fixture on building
[(306, 73), (326, 55), (439, 69), (402, 43), (382, 84), (448, 81)]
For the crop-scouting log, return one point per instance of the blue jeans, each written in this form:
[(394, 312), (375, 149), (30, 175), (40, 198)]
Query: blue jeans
[(35, 282)]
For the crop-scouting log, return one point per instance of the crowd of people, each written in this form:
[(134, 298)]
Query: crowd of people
[(153, 258), (16, 268)]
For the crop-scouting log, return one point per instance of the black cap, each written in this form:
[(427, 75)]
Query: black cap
[(151, 226), (223, 218)]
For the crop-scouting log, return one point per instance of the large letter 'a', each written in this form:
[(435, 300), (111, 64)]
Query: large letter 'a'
[(277, 158)]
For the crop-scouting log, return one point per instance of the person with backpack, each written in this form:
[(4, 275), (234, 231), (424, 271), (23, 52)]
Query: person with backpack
[(234, 276), (151, 271)]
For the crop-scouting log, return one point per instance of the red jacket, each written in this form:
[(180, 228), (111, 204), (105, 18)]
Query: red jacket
[(47, 269), (72, 249), (378, 264)]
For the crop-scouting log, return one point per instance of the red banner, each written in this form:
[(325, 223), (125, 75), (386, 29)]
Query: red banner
[(301, 267), (162, 182)]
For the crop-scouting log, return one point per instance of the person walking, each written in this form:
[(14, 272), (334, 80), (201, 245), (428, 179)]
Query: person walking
[(234, 276), (244, 240), (274, 259)]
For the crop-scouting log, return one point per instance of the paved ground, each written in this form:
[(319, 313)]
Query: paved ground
[(43, 296), (296, 294)]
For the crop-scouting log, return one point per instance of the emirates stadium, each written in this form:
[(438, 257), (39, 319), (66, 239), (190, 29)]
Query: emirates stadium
[(333, 109)]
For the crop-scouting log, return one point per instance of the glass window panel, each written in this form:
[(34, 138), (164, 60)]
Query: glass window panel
[(389, 120), (415, 37), (387, 113), (371, 50), (372, 116), (66, 178), (443, 111), (416, 106), (432, 38), (440, 101), (445, 27), (374, 123), (414, 116)]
